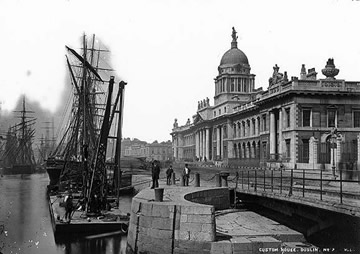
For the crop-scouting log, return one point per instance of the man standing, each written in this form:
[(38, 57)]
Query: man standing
[(186, 175), (68, 208), (169, 172), (155, 170)]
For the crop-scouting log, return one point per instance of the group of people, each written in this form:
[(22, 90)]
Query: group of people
[(155, 173)]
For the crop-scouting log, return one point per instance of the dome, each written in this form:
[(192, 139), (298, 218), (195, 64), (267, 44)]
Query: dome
[(234, 56)]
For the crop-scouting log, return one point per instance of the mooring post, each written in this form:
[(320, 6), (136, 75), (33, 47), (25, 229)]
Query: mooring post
[(217, 180), (197, 180), (173, 181)]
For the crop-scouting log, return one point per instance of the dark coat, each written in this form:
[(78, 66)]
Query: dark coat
[(155, 171)]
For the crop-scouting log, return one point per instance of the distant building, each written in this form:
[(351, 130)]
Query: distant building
[(160, 151), (307, 122), (141, 149)]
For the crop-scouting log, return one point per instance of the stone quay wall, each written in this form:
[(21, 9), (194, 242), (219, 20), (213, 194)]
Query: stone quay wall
[(183, 223)]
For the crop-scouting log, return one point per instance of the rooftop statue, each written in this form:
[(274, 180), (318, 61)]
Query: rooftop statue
[(175, 125), (233, 35), (276, 77)]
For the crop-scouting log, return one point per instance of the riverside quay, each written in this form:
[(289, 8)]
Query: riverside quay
[(297, 122)]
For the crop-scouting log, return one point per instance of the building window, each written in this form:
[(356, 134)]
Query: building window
[(357, 118), (331, 117), (306, 117), (214, 113), (232, 85), (304, 156), (264, 152), (224, 109), (253, 127), (287, 144), (263, 122), (287, 113), (219, 111)]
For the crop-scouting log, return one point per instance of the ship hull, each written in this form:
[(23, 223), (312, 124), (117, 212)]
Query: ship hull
[(54, 168), (18, 170), (82, 226)]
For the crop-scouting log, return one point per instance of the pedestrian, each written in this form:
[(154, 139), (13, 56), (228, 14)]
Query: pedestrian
[(155, 172), (69, 207), (186, 175), (169, 172)]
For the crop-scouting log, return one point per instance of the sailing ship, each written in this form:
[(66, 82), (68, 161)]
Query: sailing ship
[(95, 114), (81, 165), (18, 156), (45, 146)]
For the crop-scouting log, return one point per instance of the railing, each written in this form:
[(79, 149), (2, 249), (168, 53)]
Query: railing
[(301, 182)]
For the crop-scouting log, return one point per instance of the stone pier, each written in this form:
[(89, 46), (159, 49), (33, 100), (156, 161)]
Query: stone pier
[(175, 225)]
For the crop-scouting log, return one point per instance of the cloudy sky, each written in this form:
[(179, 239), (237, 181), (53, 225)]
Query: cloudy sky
[(168, 51)]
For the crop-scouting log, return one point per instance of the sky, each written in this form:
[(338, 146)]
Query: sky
[(168, 51)]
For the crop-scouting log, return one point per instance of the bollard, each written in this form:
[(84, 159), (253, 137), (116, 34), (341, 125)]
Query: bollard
[(217, 180), (197, 180), (173, 179), (224, 180), (159, 194), (182, 183)]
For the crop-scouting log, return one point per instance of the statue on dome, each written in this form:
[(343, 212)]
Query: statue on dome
[(198, 104), (204, 103), (188, 121), (207, 101), (233, 35), (175, 125)]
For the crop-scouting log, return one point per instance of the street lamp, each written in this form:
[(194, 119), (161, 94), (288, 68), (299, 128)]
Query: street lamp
[(333, 135)]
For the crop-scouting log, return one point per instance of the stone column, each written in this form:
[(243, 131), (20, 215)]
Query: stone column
[(218, 142), (358, 156), (175, 148), (280, 151), (272, 134), (313, 151), (257, 131), (201, 145), (197, 144), (207, 143)]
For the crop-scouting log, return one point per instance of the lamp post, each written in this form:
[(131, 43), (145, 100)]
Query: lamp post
[(333, 135)]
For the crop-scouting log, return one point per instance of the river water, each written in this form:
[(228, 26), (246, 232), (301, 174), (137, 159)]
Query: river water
[(25, 225)]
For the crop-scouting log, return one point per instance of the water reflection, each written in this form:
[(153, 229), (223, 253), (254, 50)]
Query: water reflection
[(25, 225), (113, 244)]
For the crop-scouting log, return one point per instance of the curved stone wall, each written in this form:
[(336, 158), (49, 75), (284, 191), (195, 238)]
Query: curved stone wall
[(178, 224)]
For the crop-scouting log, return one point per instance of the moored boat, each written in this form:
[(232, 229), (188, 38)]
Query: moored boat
[(79, 167), (18, 156)]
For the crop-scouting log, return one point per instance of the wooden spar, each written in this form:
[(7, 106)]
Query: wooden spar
[(86, 63), (72, 76), (99, 168), (118, 143)]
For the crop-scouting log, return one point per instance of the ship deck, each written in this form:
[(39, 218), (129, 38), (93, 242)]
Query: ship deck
[(109, 221)]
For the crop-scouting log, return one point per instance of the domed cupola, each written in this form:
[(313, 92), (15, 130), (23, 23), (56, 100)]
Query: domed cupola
[(234, 60), (234, 84)]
